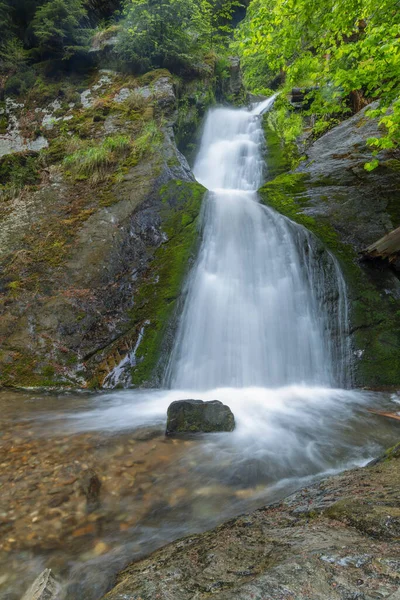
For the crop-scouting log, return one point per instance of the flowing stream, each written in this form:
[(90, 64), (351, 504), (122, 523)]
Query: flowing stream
[(264, 329), (260, 309)]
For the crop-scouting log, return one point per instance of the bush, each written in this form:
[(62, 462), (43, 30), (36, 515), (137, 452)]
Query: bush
[(12, 55), (20, 83), (19, 169)]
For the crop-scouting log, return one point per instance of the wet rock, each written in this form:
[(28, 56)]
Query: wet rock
[(342, 547), (90, 486), (194, 416), (45, 587)]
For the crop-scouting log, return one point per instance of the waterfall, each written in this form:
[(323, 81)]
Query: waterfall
[(265, 305)]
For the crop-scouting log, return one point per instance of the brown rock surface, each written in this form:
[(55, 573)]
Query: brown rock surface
[(337, 540)]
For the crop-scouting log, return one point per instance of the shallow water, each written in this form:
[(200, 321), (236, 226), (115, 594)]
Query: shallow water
[(155, 490)]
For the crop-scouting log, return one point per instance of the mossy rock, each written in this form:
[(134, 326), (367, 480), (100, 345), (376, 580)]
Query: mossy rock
[(379, 521), (374, 316), (196, 416), (156, 297)]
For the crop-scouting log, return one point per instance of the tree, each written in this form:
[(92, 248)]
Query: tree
[(347, 50), (59, 27), (161, 33)]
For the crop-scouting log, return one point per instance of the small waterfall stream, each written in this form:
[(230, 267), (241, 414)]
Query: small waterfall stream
[(265, 306)]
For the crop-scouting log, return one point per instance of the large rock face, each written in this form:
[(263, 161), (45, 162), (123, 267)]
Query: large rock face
[(91, 268), (349, 208), (336, 540), (194, 416)]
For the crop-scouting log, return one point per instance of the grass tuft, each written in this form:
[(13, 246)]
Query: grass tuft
[(95, 162)]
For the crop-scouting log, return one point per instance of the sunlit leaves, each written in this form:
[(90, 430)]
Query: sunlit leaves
[(339, 47)]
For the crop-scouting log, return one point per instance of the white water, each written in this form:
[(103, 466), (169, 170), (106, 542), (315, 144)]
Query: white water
[(261, 309)]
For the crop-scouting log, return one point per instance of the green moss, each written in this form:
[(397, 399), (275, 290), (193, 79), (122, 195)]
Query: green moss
[(375, 320), (156, 298), (153, 76), (277, 159), (23, 370), (393, 164), (3, 125), (19, 169)]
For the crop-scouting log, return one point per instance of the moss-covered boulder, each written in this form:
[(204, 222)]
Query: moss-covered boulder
[(196, 416)]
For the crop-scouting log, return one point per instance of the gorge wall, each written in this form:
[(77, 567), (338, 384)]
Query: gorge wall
[(93, 251), (349, 208), (93, 256)]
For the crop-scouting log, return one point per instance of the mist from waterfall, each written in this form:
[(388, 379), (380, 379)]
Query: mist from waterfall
[(265, 304)]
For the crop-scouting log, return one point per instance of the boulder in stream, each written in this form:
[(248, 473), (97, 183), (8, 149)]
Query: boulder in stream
[(196, 416)]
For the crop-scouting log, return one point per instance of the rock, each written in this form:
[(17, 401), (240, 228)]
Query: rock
[(133, 239), (336, 539), (90, 486), (232, 86), (349, 208), (235, 75), (194, 416), (45, 587)]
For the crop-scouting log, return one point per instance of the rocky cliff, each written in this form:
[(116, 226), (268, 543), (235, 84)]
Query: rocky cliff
[(98, 224), (349, 208)]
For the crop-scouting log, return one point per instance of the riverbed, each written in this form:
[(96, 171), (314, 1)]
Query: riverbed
[(154, 489)]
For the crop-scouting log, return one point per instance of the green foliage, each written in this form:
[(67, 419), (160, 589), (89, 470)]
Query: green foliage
[(173, 34), (20, 83), (149, 138), (58, 26), (159, 34), (370, 166), (287, 125), (218, 16), (348, 51), (13, 56), (6, 25)]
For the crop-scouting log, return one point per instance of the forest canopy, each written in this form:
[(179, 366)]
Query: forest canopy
[(346, 53)]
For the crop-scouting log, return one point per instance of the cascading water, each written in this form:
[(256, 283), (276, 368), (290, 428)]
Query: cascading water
[(258, 310)]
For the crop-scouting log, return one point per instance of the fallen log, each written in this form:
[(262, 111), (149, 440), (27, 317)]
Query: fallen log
[(387, 247), (383, 413)]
